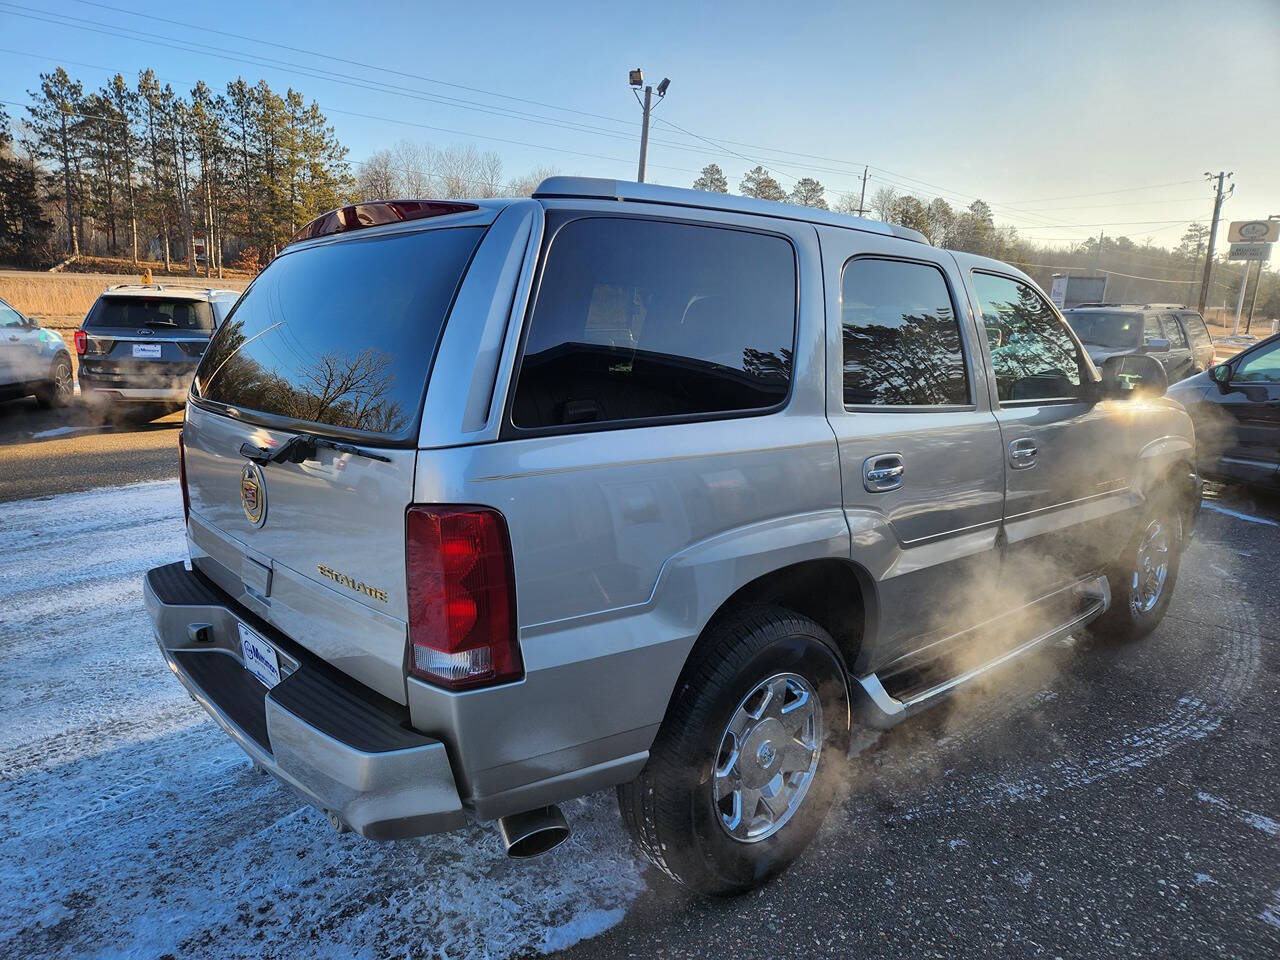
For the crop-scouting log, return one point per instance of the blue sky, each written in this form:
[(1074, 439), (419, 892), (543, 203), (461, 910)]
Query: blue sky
[(1027, 105)]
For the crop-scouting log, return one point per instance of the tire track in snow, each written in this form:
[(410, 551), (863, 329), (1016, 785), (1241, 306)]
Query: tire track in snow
[(128, 819)]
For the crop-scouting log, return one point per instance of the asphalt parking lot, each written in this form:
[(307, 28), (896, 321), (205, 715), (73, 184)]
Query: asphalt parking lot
[(47, 452), (1091, 801)]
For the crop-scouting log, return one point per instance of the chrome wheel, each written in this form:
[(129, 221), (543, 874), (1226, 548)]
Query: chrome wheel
[(768, 757), (63, 383), (1151, 568)]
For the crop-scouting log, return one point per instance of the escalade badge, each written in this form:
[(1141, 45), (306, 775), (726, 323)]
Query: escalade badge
[(253, 494)]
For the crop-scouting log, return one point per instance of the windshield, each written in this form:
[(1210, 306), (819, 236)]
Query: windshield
[(150, 312), (1107, 329), (341, 334)]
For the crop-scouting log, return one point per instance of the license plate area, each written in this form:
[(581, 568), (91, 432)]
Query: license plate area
[(260, 657), (146, 351)]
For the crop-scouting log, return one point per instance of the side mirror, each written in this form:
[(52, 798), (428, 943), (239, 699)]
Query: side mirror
[(1221, 375), (1133, 377), (1156, 344)]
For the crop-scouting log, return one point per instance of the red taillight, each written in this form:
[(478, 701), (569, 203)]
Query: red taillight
[(82, 342), (462, 627), (182, 478)]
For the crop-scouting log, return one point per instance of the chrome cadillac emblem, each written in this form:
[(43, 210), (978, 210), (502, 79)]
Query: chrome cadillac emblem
[(253, 494)]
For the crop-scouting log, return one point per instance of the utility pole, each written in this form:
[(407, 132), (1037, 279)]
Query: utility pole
[(862, 200), (1213, 235), (636, 77), (1097, 253)]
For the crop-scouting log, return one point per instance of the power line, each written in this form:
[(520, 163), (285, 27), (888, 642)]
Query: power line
[(1103, 193), (365, 83), (492, 109)]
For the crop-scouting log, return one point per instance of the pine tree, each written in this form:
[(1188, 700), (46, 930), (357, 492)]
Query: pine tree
[(808, 193), (712, 180), (758, 183), (150, 94), (25, 232), (125, 102), (54, 116)]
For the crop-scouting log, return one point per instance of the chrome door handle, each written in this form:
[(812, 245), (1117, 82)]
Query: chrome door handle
[(1022, 453), (883, 472)]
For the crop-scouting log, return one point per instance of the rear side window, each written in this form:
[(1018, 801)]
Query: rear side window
[(1197, 332), (155, 313), (1173, 331), (640, 319), (341, 335), (901, 337), (1152, 328), (1036, 359)]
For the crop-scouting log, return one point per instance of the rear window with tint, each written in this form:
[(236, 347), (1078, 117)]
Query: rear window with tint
[(340, 335), (640, 319), (155, 313), (1107, 329)]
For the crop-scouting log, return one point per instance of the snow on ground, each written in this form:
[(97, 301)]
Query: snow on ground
[(130, 826)]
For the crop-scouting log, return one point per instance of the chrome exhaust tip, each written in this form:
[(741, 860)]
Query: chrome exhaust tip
[(533, 833)]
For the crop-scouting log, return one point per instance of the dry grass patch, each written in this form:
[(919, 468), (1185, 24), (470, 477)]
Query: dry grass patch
[(72, 294)]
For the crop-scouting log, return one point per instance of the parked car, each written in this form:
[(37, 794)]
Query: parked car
[(1173, 334), (493, 504), (33, 361), (1236, 409), (140, 344)]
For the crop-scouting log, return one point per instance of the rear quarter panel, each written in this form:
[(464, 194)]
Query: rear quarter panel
[(625, 542)]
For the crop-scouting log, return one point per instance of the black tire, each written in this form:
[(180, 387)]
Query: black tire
[(1131, 616), (60, 387), (670, 809)]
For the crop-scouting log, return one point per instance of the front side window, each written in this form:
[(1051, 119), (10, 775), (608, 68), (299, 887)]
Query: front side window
[(901, 336), (1260, 367), (9, 317), (1036, 358), (640, 319)]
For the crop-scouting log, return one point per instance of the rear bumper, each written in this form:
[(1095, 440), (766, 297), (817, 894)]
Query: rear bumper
[(348, 751), (94, 394)]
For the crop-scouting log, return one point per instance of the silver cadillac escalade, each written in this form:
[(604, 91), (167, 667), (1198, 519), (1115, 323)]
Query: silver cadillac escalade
[(493, 504)]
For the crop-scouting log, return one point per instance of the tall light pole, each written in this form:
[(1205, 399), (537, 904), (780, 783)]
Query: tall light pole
[(637, 80)]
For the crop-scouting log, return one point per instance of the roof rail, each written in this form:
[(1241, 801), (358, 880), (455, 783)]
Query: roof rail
[(143, 286), (629, 191)]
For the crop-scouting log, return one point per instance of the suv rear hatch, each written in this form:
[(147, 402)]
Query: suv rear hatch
[(333, 342), (148, 342)]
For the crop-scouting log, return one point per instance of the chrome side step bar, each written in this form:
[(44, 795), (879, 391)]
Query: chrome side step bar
[(880, 710)]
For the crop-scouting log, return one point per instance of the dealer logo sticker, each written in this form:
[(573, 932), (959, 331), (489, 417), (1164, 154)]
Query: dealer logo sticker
[(253, 494)]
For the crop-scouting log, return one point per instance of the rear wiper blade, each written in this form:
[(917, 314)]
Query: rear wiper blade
[(303, 447)]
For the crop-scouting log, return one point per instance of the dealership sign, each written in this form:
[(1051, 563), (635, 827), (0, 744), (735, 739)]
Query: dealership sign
[(1249, 251), (1253, 231)]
